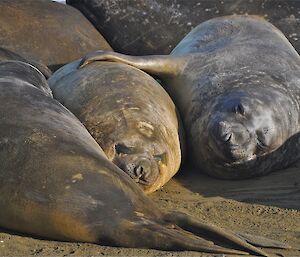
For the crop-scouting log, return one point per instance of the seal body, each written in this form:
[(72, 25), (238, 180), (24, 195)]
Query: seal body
[(6, 55), (236, 83), (128, 113), (56, 182), (47, 32), (157, 26)]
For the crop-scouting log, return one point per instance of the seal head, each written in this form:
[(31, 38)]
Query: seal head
[(246, 124), (129, 114), (142, 168)]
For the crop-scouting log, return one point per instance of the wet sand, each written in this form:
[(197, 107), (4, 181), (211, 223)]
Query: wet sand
[(268, 206)]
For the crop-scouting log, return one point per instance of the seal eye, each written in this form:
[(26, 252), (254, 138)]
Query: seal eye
[(263, 139), (123, 149), (239, 108)]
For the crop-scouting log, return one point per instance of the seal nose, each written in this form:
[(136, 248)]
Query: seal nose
[(225, 132), (233, 135), (142, 169), (138, 170)]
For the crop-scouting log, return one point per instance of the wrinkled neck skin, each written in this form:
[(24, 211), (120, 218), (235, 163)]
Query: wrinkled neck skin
[(242, 126)]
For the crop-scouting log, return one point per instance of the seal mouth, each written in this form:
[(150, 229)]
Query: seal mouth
[(240, 161)]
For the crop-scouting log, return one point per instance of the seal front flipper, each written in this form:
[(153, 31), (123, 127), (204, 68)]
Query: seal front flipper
[(162, 65)]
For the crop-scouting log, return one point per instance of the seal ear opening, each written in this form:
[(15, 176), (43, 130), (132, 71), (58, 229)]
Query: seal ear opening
[(239, 109)]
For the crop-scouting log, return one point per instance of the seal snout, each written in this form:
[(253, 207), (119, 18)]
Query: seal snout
[(141, 170), (233, 135), (140, 166), (232, 140)]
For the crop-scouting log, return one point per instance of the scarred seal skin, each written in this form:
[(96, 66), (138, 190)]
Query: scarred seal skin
[(47, 32), (56, 182), (236, 83), (156, 26), (128, 113)]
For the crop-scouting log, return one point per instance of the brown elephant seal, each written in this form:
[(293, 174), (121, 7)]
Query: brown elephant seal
[(56, 182), (236, 83), (47, 32), (6, 55), (128, 113)]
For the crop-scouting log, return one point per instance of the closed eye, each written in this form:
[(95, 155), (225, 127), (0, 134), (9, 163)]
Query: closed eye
[(123, 149), (260, 144)]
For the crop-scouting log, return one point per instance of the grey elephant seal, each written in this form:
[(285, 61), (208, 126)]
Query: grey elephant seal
[(128, 113), (236, 83), (47, 32), (6, 55), (56, 182), (156, 26)]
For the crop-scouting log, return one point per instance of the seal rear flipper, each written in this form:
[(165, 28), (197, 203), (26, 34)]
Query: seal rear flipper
[(160, 65), (261, 241), (169, 237), (211, 232)]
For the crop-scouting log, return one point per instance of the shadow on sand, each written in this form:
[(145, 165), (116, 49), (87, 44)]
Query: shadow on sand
[(280, 188)]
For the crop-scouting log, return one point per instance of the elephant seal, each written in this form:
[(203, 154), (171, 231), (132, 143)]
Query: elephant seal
[(236, 83), (56, 182), (6, 55), (156, 26), (128, 113), (47, 32)]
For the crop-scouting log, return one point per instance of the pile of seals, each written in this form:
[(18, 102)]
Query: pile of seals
[(78, 152)]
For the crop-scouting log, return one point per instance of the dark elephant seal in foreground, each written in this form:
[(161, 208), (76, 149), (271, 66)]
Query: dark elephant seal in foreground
[(236, 83), (156, 26), (6, 55), (128, 113), (56, 182), (47, 32)]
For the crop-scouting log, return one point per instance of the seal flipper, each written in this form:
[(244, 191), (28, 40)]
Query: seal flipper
[(261, 241), (160, 65), (211, 232), (171, 237)]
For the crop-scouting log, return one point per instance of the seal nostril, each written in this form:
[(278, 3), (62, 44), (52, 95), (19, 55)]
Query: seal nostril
[(138, 170), (228, 137)]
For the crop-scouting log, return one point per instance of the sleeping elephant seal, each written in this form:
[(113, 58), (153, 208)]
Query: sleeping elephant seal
[(6, 55), (156, 26), (56, 182), (236, 83), (47, 32), (128, 113)]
